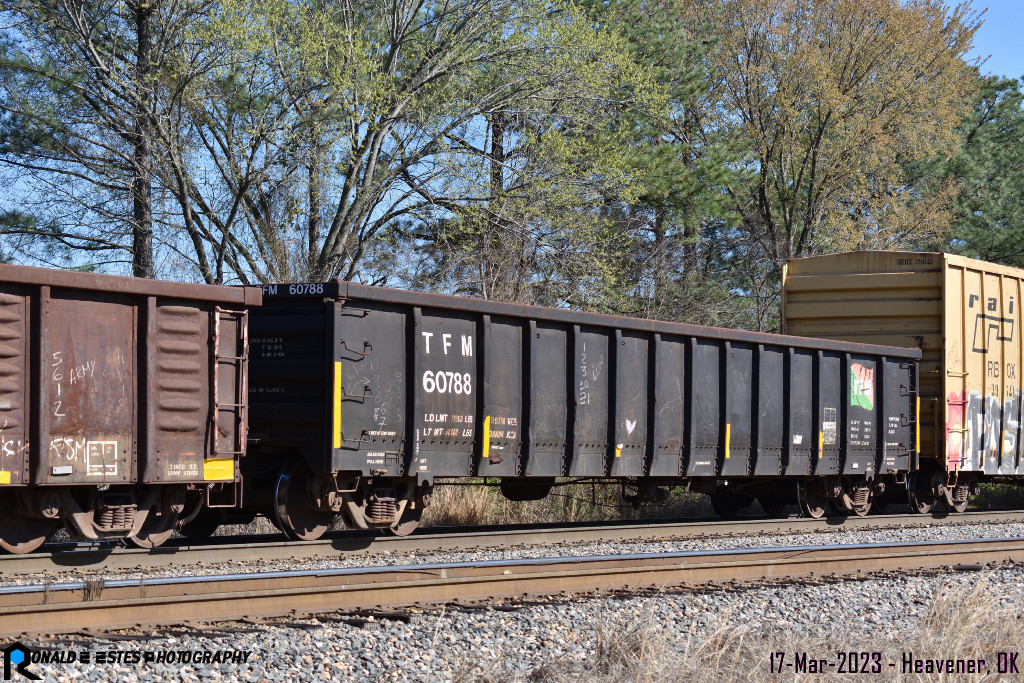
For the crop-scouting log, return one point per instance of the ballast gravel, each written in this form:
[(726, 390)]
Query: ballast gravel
[(837, 536), (520, 638)]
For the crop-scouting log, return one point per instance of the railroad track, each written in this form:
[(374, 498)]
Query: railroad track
[(108, 557), (77, 606)]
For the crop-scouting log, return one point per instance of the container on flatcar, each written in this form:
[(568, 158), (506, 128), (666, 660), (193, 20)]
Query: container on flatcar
[(121, 401), (963, 314), (366, 394)]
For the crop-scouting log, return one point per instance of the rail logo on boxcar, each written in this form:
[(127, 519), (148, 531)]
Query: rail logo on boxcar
[(985, 324)]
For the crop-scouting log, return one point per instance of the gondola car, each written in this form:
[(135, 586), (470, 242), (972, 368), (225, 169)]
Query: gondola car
[(121, 404), (360, 398)]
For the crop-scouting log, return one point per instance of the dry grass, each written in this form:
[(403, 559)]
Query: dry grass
[(480, 505), (461, 506), (962, 623)]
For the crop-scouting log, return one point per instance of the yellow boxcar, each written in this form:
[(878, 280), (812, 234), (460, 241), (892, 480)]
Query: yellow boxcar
[(962, 313)]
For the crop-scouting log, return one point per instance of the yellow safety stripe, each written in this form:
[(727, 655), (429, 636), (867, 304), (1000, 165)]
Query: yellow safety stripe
[(487, 437), (337, 404), (917, 439)]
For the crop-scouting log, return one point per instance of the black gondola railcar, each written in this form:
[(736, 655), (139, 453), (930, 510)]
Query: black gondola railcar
[(360, 396)]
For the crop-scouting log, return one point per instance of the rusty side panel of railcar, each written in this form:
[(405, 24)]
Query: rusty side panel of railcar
[(418, 383), (112, 380)]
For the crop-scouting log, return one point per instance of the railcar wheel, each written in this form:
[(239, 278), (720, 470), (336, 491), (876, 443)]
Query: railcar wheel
[(294, 514), (920, 501), (409, 521), (862, 510), (19, 534), (155, 530), (921, 506), (725, 503), (812, 503)]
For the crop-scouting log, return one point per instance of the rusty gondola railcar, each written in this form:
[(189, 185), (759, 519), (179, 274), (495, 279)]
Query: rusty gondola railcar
[(122, 403), (964, 315), (360, 396)]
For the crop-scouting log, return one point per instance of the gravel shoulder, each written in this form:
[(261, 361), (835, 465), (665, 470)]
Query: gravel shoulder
[(725, 631), (729, 632)]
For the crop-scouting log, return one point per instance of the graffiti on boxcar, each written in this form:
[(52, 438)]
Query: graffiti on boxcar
[(954, 429), (584, 398), (980, 428), (69, 448), (1011, 423), (79, 372), (385, 398), (63, 375), (984, 416), (590, 371), (58, 377), (98, 456), (12, 448)]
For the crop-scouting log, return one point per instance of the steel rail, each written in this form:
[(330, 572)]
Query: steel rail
[(82, 556), (128, 603)]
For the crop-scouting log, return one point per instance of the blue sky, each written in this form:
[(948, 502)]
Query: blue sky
[(1001, 37)]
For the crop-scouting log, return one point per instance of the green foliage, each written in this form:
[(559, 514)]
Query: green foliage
[(998, 496), (834, 97), (788, 127), (374, 140), (988, 174), (657, 158), (670, 238)]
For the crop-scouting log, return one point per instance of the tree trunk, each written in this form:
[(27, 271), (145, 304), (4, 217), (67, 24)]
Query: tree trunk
[(659, 263), (142, 157), (491, 251), (313, 273)]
